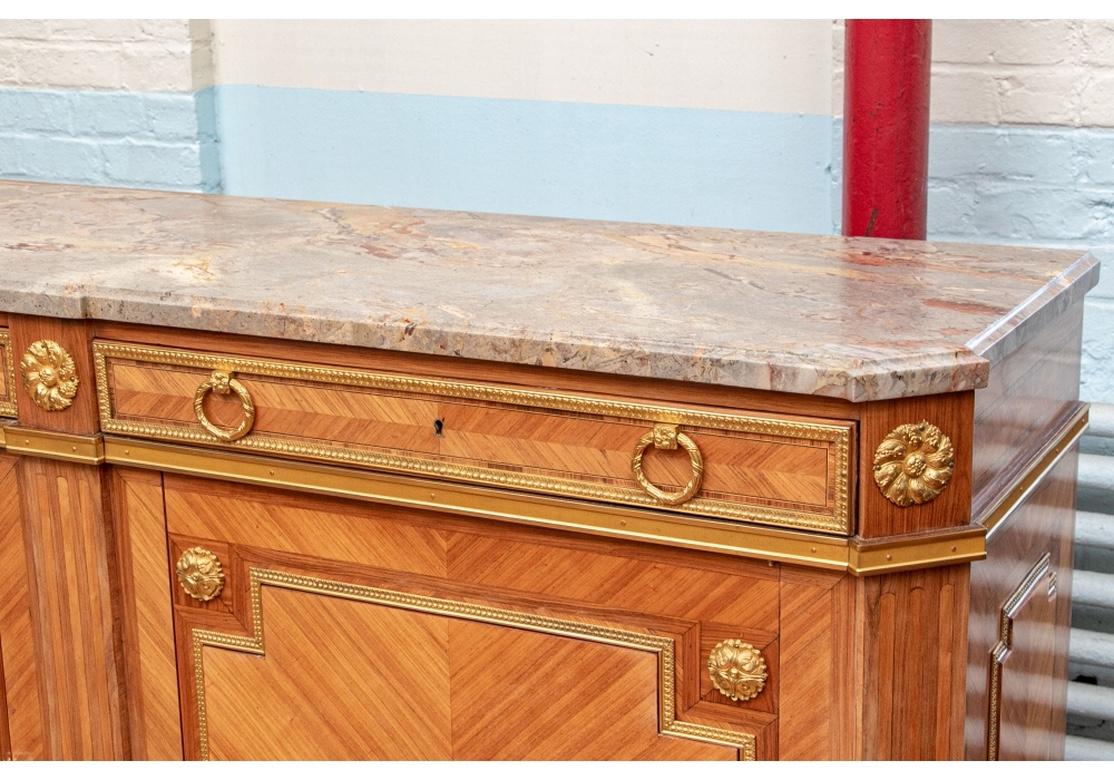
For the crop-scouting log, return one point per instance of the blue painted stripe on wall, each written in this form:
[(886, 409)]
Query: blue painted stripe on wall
[(137, 139), (647, 164)]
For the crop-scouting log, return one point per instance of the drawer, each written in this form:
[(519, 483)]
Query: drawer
[(758, 468), (7, 375)]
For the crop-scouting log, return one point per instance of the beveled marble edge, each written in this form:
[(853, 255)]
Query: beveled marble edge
[(1038, 310), (876, 379), (837, 356)]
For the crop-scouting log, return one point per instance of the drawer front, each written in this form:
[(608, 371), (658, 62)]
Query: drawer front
[(7, 375), (763, 469)]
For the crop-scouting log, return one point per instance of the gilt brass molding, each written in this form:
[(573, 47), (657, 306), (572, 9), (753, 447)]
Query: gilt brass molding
[(49, 375), (667, 437), (914, 463), (1032, 475), (737, 669), (200, 574), (659, 526), (7, 371), (223, 383), (838, 520), (944, 547), (663, 647), (1000, 653), (52, 444)]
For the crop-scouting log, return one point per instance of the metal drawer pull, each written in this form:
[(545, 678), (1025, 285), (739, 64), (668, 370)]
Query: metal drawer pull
[(222, 383), (667, 437)]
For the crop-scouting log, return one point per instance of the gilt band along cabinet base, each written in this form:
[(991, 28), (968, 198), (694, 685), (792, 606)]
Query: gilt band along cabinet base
[(425, 509)]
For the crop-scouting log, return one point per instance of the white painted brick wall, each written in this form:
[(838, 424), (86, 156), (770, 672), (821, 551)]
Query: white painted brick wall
[(1013, 71), (107, 102), (149, 55)]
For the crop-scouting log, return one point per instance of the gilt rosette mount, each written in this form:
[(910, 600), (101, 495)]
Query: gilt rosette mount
[(738, 669), (914, 463), (49, 375), (200, 574)]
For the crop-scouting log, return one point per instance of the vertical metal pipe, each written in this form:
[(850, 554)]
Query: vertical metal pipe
[(885, 127)]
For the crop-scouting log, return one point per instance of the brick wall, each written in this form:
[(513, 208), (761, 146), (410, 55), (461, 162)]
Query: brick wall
[(1027, 154), (722, 123), (1022, 149), (108, 102)]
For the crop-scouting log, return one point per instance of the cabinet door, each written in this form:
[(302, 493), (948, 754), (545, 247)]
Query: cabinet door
[(1025, 687), (323, 629)]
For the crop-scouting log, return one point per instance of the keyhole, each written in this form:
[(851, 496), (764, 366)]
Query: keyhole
[(438, 427)]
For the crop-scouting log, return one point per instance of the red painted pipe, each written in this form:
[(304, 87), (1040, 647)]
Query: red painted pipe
[(885, 127)]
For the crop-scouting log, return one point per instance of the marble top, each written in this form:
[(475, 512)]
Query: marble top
[(860, 319)]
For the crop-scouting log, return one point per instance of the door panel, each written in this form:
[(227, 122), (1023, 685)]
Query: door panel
[(345, 680), (1023, 681), (320, 645), (1020, 626), (338, 680), (525, 695)]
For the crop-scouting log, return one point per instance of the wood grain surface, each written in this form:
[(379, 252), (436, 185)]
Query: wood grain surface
[(914, 657), (340, 680), (452, 688), (522, 444), (455, 687), (5, 733), (1034, 684), (1029, 393), (819, 696), (24, 710), (525, 695), (148, 626), (75, 336), (70, 550), (952, 414)]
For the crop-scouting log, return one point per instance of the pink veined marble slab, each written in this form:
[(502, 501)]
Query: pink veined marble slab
[(860, 319)]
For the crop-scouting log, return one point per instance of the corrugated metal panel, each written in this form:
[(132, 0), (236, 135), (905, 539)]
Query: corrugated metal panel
[(1084, 749), (1091, 691)]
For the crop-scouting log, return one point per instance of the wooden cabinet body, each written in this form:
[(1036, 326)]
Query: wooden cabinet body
[(228, 546), (400, 624)]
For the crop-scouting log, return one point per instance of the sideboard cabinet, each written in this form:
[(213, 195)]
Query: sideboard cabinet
[(287, 480)]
